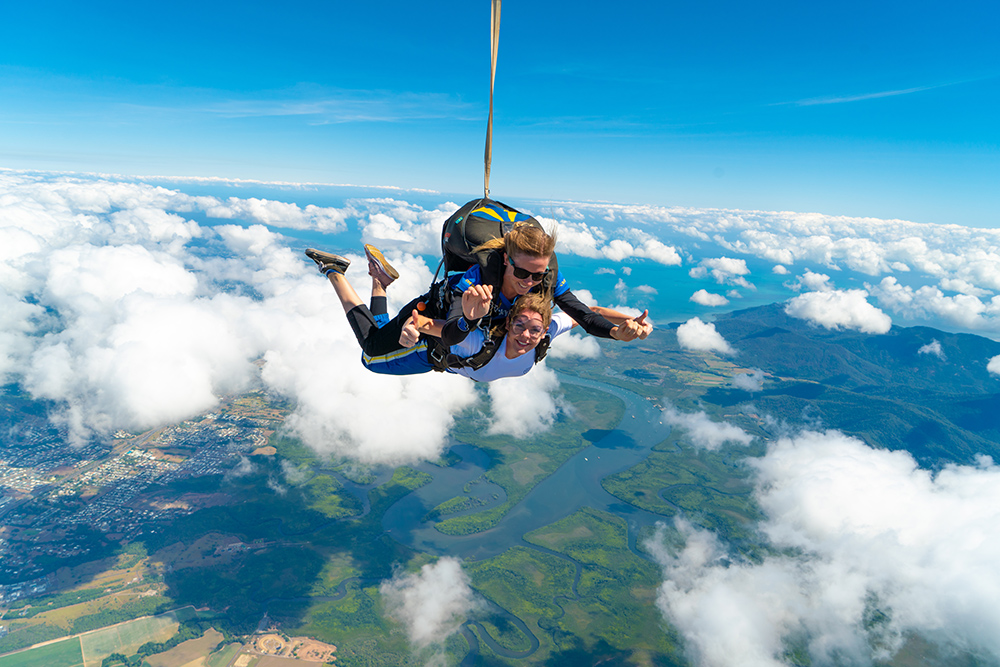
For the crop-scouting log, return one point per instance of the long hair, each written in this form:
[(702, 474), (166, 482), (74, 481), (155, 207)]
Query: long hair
[(523, 239)]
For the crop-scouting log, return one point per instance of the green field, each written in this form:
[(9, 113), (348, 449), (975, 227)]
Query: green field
[(66, 653), (222, 657), (126, 638)]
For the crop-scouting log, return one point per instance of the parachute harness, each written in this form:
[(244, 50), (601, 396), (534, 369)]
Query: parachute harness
[(494, 44)]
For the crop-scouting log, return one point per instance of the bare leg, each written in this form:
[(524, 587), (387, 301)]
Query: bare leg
[(348, 297)]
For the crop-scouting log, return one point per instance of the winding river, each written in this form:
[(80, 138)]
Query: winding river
[(576, 484)]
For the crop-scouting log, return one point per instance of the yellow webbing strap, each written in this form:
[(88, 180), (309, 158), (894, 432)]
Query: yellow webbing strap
[(494, 42)]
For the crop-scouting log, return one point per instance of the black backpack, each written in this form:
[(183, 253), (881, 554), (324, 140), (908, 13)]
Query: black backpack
[(475, 223)]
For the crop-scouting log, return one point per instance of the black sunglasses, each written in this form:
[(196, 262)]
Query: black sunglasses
[(524, 274)]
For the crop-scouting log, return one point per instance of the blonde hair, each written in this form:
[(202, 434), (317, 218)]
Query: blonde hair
[(538, 303), (523, 239)]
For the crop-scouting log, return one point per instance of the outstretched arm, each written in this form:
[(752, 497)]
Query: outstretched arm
[(626, 328), (590, 321)]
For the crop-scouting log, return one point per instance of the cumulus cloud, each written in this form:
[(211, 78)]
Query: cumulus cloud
[(904, 551), (933, 347), (780, 270), (836, 309), (646, 289), (703, 432), (112, 314), (994, 365), (813, 282), (568, 346), (432, 603), (615, 244), (965, 310), (524, 406), (752, 381), (724, 270), (280, 214), (962, 259), (706, 298), (394, 224), (702, 337)]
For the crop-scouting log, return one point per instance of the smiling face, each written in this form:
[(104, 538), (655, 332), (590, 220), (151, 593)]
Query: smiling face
[(514, 286), (524, 333)]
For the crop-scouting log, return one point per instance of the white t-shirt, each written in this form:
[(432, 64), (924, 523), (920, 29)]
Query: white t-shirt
[(500, 366)]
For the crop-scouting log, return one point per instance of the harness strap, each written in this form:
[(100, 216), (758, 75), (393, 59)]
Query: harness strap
[(494, 44)]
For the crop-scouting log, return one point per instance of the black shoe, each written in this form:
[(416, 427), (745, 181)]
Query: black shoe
[(328, 261)]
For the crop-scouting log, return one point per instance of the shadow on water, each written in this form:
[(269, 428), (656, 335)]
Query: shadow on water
[(595, 434)]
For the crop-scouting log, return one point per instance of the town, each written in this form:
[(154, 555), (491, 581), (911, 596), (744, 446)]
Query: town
[(60, 502)]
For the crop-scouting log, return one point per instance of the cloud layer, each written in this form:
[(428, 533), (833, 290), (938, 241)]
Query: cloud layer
[(128, 314), (903, 550), (918, 270), (131, 305)]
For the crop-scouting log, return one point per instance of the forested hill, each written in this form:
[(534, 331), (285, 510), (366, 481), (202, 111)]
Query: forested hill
[(940, 404)]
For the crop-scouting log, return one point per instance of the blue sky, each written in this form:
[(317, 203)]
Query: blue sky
[(867, 109)]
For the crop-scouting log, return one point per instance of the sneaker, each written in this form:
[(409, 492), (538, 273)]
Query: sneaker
[(378, 268), (328, 261)]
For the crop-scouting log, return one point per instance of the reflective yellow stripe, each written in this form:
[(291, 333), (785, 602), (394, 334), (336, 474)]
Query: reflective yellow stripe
[(397, 354)]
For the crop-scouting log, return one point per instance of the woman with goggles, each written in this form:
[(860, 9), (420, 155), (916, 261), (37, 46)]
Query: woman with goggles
[(519, 264)]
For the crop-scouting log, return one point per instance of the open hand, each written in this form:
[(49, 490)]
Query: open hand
[(476, 301)]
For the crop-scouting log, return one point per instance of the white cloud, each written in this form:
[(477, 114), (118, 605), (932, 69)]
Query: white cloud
[(646, 289), (910, 548), (963, 259), (605, 271), (621, 291), (780, 270), (433, 603), (933, 347), (524, 406), (702, 337), (114, 317), (703, 432), (928, 301), (394, 224), (724, 270), (280, 214), (752, 381), (616, 244), (568, 346), (814, 282), (706, 298), (836, 309), (994, 365), (962, 287)]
